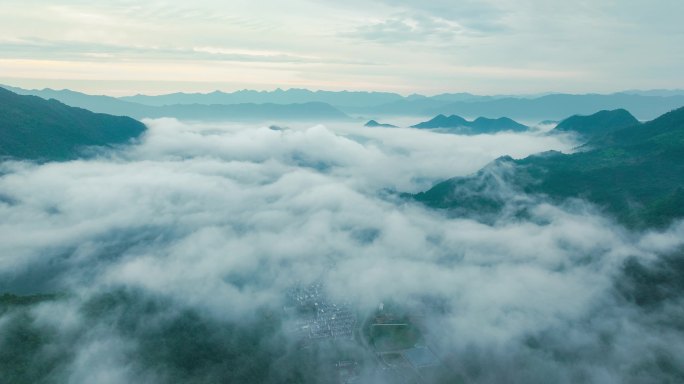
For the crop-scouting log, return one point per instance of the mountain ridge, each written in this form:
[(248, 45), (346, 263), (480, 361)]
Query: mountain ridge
[(597, 124), (240, 112), (37, 129), (373, 123), (559, 106), (644, 105), (634, 174), (480, 125)]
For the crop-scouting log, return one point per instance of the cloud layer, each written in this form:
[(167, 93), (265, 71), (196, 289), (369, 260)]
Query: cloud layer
[(210, 224)]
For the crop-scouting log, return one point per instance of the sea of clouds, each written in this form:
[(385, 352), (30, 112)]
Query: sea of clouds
[(220, 220)]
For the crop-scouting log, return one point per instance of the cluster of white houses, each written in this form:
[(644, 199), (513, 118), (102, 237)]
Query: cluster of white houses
[(318, 318)]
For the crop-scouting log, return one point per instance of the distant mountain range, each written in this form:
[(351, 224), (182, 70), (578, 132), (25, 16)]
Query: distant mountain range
[(279, 96), (99, 104), (656, 92), (635, 173), (38, 129), (556, 107), (250, 111), (644, 105), (481, 125), (236, 112)]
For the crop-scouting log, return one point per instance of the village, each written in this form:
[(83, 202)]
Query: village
[(317, 317), (391, 339)]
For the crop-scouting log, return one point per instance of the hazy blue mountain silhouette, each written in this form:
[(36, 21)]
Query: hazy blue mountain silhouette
[(250, 111), (481, 125), (340, 99), (279, 96), (644, 105), (38, 129), (441, 121), (656, 92), (373, 123), (95, 103), (246, 111), (559, 106)]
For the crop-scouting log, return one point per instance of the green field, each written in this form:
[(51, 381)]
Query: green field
[(393, 337)]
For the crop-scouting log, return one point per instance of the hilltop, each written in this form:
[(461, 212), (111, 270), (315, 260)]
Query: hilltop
[(635, 174), (373, 123), (481, 125), (597, 124), (38, 129)]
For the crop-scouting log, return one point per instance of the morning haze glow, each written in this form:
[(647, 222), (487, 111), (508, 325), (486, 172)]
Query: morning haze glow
[(429, 47), (338, 192)]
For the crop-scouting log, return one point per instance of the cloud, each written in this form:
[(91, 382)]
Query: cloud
[(615, 46), (182, 248), (440, 23), (409, 29), (79, 50), (476, 16)]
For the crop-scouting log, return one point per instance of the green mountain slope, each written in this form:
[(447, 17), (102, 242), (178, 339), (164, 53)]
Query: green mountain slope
[(636, 174), (597, 124), (94, 103), (38, 129)]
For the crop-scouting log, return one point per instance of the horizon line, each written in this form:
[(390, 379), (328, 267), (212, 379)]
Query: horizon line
[(313, 90)]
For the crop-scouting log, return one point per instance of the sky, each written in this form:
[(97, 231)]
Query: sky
[(124, 47)]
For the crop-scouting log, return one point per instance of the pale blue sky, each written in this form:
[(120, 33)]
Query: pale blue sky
[(487, 47)]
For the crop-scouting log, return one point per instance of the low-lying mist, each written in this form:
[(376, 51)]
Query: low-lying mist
[(170, 260)]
